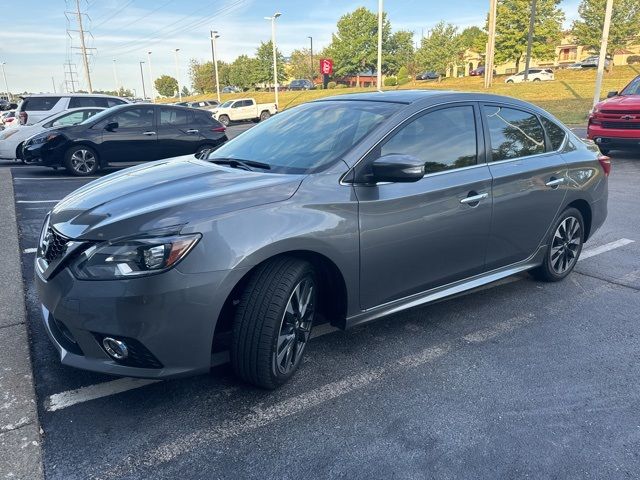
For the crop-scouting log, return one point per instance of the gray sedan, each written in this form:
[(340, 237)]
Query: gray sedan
[(344, 210)]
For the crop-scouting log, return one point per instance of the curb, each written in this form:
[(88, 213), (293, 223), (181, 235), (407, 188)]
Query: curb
[(20, 442)]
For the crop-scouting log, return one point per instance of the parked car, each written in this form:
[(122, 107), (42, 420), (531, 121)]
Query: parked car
[(301, 84), (34, 108), (592, 62), (479, 72), (8, 118), (348, 208), (615, 122), (243, 109), (231, 89), (428, 76), (535, 75), (11, 140), (125, 133), (574, 66), (203, 104), (5, 104)]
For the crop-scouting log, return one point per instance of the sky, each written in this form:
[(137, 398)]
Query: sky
[(35, 45)]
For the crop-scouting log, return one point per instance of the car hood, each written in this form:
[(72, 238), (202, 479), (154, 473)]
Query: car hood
[(621, 102), (163, 194)]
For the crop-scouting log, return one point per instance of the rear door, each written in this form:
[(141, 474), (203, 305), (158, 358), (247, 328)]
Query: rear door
[(178, 133), (135, 138), (529, 183), (417, 236)]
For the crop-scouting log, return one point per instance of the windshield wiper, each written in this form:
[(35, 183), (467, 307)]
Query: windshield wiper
[(244, 164)]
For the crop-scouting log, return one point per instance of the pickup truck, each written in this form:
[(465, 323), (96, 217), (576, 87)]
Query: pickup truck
[(243, 109)]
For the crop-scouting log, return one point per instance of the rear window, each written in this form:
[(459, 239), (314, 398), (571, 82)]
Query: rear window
[(38, 104), (555, 133)]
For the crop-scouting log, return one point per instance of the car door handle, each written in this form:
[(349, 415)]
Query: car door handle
[(148, 133), (474, 198), (193, 130), (555, 182)]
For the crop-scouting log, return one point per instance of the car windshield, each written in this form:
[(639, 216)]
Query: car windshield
[(633, 88), (226, 104), (307, 138)]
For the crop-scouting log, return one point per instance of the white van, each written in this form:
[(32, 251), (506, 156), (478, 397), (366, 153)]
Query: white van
[(34, 108)]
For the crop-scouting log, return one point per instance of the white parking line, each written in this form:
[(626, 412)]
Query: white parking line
[(37, 201), (69, 398), (30, 250)]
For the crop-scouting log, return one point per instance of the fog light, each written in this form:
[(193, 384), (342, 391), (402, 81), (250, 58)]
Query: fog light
[(115, 348), (598, 140)]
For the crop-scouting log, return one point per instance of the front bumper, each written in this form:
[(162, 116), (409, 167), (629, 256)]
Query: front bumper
[(170, 318), (611, 137)]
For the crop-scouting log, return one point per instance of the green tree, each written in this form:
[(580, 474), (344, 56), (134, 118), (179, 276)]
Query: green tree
[(185, 91), (403, 76), (400, 52), (625, 24), (473, 38), (241, 72), (124, 92), (202, 76), (166, 85), (440, 50), (512, 26), (354, 47), (300, 64), (263, 72)]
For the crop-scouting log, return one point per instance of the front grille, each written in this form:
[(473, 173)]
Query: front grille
[(622, 125), (621, 112), (56, 247), (139, 355)]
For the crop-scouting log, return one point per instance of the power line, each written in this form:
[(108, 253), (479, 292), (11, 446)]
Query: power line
[(114, 14), (141, 18)]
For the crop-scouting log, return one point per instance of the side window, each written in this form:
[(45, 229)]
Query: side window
[(237, 104), (513, 133), (38, 104), (112, 102), (555, 133), (76, 102), (247, 103), (70, 119), (174, 117), (135, 118), (445, 139)]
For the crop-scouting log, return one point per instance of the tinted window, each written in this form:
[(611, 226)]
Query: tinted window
[(633, 88), (134, 118), (112, 102), (513, 133), (444, 139), (308, 137), (247, 103), (76, 102), (72, 118), (39, 103), (175, 116), (555, 133), (237, 104)]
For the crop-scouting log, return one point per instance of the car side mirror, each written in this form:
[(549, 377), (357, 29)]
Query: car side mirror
[(612, 94), (111, 126), (398, 168)]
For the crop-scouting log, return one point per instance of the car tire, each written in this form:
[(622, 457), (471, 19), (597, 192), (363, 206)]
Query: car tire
[(224, 120), (604, 151), (564, 246), (509, 81), (19, 152), (273, 322), (536, 79), (265, 115), (81, 161)]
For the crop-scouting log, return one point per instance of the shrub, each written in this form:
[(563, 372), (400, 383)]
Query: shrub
[(632, 59), (331, 85), (403, 76), (390, 82), (341, 85)]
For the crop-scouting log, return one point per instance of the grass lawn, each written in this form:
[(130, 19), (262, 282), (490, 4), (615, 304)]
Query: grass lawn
[(568, 97)]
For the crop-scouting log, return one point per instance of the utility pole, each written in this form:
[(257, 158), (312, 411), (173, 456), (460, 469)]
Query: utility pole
[(53, 82), (6, 85), (491, 44), (313, 70), (275, 56), (115, 77), (144, 91), (83, 47), (70, 74), (214, 35), (379, 72), (178, 74), (603, 51), (153, 94), (532, 20)]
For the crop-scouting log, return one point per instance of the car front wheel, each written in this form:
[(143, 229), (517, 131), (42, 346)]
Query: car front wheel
[(273, 322), (564, 247), (81, 161)]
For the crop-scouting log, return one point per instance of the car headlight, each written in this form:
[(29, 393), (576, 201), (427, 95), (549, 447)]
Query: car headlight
[(133, 257), (44, 138)]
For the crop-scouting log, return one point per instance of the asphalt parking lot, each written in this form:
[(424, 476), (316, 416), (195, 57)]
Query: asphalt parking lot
[(518, 379)]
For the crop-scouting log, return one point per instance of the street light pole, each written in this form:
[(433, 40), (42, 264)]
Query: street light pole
[(115, 76), (153, 94), (527, 61), (178, 74), (275, 58), (380, 10), (144, 92), (6, 85), (603, 51), (313, 76), (214, 35), (491, 44)]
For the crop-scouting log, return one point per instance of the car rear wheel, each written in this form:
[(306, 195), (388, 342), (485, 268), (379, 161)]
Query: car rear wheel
[(224, 120), (536, 79), (273, 322), (81, 161), (509, 81), (564, 247), (265, 115)]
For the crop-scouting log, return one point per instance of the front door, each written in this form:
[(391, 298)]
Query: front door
[(416, 236), (134, 139), (529, 183)]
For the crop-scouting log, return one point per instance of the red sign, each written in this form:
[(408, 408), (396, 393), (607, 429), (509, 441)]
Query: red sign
[(326, 66)]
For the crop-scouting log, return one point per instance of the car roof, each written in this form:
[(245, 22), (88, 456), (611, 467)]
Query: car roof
[(65, 95)]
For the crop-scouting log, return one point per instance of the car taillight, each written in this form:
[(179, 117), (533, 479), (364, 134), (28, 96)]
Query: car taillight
[(23, 117), (605, 162), (220, 129)]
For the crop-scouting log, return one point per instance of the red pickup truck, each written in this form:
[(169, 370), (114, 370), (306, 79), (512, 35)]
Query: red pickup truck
[(615, 122)]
